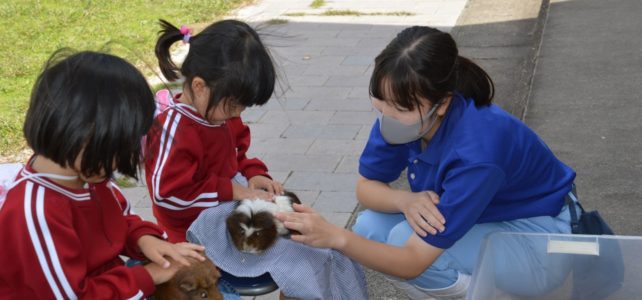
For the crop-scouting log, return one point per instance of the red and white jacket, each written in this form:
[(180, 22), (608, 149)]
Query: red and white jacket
[(190, 164), (61, 243)]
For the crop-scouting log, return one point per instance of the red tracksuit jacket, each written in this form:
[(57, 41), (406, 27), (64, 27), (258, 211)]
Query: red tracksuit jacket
[(65, 243), (190, 164)]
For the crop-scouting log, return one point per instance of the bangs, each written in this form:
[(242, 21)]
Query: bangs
[(396, 83), (415, 67)]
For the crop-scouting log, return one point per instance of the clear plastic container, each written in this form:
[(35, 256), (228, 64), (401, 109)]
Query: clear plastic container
[(558, 266)]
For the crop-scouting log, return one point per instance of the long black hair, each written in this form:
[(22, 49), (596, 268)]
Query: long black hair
[(228, 55), (91, 103), (423, 62)]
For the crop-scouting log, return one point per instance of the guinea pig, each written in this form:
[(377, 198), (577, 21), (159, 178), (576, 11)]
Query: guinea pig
[(197, 281), (253, 226)]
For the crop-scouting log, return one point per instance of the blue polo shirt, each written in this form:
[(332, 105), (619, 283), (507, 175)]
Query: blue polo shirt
[(485, 164)]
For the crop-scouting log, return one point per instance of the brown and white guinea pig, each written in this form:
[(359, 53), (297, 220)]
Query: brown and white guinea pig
[(253, 227), (197, 281)]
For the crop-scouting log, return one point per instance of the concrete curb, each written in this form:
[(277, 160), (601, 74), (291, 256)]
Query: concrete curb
[(504, 38)]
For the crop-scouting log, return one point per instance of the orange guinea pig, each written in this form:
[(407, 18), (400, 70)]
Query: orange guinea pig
[(198, 281)]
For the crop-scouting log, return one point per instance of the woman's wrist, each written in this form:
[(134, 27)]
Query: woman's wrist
[(399, 200), (341, 239)]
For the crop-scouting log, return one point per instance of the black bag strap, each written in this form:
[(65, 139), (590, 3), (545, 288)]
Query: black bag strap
[(570, 199)]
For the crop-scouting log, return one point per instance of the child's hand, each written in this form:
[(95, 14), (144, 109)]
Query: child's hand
[(156, 249), (262, 182), (240, 192), (160, 274)]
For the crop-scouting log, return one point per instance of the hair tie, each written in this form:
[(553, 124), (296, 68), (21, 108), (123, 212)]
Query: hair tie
[(187, 34)]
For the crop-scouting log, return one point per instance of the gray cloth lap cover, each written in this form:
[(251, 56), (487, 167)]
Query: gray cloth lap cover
[(300, 271)]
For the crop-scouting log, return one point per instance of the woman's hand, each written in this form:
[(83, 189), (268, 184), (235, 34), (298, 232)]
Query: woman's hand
[(421, 212), (240, 192), (262, 182), (156, 250), (313, 229)]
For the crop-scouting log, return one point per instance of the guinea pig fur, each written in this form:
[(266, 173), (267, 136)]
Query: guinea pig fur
[(197, 281), (253, 226)]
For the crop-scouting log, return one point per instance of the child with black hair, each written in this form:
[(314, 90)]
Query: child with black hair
[(198, 161), (198, 151), (65, 223)]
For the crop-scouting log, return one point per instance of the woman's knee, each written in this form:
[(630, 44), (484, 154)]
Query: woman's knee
[(399, 234), (375, 225), (440, 274)]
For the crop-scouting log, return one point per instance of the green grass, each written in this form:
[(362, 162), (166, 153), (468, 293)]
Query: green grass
[(317, 3), (294, 14), (276, 21), (124, 181), (343, 12), (348, 12), (32, 30), (392, 13)]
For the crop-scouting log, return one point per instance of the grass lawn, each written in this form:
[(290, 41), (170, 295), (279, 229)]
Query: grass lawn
[(32, 30)]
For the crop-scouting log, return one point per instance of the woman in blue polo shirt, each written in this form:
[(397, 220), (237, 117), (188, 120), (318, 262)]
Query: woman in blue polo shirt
[(473, 169)]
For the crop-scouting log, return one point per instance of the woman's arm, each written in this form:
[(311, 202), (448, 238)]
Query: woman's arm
[(378, 196), (408, 261), (419, 208)]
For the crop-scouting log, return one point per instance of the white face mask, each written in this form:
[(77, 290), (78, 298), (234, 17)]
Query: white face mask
[(395, 132)]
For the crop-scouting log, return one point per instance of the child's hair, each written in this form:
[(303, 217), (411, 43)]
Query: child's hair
[(228, 55), (424, 62), (91, 104)]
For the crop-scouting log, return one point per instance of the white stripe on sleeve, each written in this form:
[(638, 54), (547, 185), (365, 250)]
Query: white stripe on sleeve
[(36, 242), (138, 296), (53, 254), (166, 141)]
